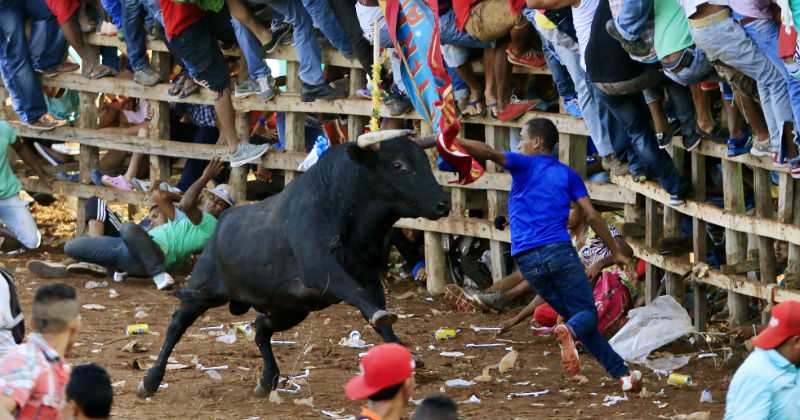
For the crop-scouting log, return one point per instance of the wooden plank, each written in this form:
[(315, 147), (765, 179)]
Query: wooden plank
[(720, 151), (652, 233), (355, 123), (435, 264), (159, 129), (89, 158), (699, 241), (764, 209), (572, 152), (82, 191), (237, 180), (735, 242), (497, 201)]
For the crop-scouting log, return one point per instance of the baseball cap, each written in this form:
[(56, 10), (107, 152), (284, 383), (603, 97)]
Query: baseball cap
[(784, 323), (223, 192), (382, 367)]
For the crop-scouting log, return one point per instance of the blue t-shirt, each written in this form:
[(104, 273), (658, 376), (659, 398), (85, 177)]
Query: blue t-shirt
[(542, 189), (766, 386)]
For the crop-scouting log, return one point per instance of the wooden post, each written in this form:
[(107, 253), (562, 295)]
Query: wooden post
[(792, 209), (435, 263), (572, 152), (699, 240), (295, 134), (497, 201), (238, 177), (356, 123), (735, 242), (159, 129), (652, 232), (89, 157)]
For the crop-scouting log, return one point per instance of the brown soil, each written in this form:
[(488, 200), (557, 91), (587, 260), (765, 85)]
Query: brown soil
[(192, 393)]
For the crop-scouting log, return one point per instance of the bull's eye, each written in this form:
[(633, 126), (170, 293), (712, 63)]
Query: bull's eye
[(398, 165)]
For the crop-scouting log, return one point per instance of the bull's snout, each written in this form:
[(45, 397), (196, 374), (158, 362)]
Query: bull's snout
[(442, 208)]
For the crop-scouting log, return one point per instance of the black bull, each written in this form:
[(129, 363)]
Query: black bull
[(323, 240)]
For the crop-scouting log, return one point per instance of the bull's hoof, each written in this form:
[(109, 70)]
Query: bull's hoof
[(260, 391), (142, 392), (383, 318)]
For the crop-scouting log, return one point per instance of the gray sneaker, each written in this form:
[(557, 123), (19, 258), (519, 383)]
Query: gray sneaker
[(266, 87), (761, 148), (146, 77), (246, 153), (614, 166), (245, 89)]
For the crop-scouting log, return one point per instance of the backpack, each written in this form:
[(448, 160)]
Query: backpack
[(612, 299), (18, 324)]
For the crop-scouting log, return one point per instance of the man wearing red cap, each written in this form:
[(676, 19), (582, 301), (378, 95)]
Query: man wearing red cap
[(766, 385), (386, 380)]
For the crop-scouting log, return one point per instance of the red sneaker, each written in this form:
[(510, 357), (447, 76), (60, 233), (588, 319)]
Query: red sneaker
[(569, 353), (531, 59), (515, 110), (632, 382), (709, 86)]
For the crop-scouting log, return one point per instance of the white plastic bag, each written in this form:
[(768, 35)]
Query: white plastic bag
[(650, 327)]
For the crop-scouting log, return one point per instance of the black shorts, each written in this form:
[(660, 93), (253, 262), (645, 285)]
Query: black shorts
[(197, 46), (97, 209)]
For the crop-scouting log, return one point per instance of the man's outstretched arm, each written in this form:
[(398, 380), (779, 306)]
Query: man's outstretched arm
[(480, 150)]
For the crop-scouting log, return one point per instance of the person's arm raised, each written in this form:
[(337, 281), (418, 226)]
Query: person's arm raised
[(192, 195), (481, 150)]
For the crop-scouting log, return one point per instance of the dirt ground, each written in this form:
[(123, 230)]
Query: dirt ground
[(193, 393)]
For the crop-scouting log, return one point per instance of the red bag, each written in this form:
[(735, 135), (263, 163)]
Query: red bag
[(612, 299)]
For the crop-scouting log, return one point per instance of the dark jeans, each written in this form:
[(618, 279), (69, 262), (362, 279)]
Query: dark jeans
[(626, 119), (134, 252), (680, 97), (562, 79), (134, 15), (197, 46), (557, 275), (345, 11)]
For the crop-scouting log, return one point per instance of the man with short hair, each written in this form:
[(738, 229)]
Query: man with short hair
[(436, 407), (542, 190), (386, 381), (34, 374), (767, 384), (89, 393)]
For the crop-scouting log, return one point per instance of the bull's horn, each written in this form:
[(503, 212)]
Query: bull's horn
[(369, 139), (426, 142)]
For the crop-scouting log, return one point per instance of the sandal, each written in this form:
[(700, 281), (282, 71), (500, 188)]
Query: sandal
[(190, 87), (100, 71), (492, 109), (474, 108), (119, 182), (177, 84)]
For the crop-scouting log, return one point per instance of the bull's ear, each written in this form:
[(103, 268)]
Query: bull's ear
[(366, 156)]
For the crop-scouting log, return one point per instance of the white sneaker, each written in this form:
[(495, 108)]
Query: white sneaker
[(119, 277), (632, 382), (164, 281)]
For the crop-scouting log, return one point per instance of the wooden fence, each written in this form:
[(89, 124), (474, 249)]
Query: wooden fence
[(749, 237)]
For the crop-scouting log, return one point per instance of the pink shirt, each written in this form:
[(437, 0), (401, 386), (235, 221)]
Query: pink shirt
[(752, 8)]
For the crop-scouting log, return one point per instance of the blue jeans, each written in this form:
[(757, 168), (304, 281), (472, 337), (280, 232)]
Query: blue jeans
[(626, 119), (633, 17), (325, 19), (305, 42), (134, 13), (133, 252), (586, 99), (555, 272), (19, 56), (114, 10), (449, 33), (15, 215), (561, 78), (252, 51), (680, 97), (727, 42), (764, 34)]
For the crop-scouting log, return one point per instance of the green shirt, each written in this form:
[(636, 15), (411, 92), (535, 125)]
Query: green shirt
[(67, 107), (181, 238), (672, 28), (9, 184)]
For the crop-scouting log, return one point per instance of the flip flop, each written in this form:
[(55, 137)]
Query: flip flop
[(474, 108), (177, 84), (100, 71), (190, 87), (119, 182)]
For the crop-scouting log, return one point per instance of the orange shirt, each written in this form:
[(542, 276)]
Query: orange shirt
[(367, 414)]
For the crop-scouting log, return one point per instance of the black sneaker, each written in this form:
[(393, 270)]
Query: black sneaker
[(279, 34), (691, 141), (664, 139), (637, 47), (310, 93)]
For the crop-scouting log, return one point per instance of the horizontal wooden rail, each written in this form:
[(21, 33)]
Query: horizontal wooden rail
[(720, 151)]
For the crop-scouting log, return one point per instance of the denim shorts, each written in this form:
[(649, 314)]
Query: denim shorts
[(692, 67), (198, 48)]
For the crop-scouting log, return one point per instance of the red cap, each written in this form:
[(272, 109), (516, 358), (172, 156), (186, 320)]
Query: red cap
[(382, 367), (784, 323)]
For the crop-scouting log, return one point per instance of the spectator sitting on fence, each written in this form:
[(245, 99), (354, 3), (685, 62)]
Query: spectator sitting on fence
[(766, 385), (22, 57), (67, 16), (34, 374), (17, 227), (194, 34), (89, 393), (541, 193), (133, 15), (386, 381), (151, 253)]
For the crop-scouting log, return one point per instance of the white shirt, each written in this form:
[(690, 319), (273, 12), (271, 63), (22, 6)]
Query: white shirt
[(6, 320), (582, 17), (367, 17)]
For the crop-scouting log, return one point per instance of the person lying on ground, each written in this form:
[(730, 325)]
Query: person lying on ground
[(386, 381), (152, 253), (542, 190), (17, 227), (33, 375), (89, 393), (766, 385)]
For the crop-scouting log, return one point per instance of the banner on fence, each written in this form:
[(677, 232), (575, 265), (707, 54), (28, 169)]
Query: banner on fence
[(414, 29)]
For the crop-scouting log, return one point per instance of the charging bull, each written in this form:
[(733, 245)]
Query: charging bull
[(321, 241)]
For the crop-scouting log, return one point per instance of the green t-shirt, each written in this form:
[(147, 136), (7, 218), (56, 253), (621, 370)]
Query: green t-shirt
[(181, 238), (67, 107), (672, 28), (9, 184)]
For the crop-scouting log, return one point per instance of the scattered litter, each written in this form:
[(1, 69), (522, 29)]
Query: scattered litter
[(177, 366), (228, 338), (244, 368), (507, 362), (163, 386), (526, 383), (96, 351), (667, 364), (546, 353), (527, 394), (445, 334), (219, 327), (205, 369), (473, 399), (137, 329), (484, 346), (580, 379), (140, 314), (479, 329), (337, 415), (436, 312), (458, 383), (405, 316), (610, 400), (536, 405), (246, 328), (697, 415), (93, 307), (706, 397), (485, 376), (354, 341), (680, 379), (707, 355), (660, 404), (118, 384), (429, 299), (113, 294), (644, 393), (541, 331), (305, 401), (451, 354), (134, 346), (275, 398), (91, 284), (407, 295), (282, 343), (295, 388), (213, 374), (654, 325)]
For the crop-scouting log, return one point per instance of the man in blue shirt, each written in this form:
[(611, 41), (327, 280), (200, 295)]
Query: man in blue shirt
[(766, 385), (542, 189)]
